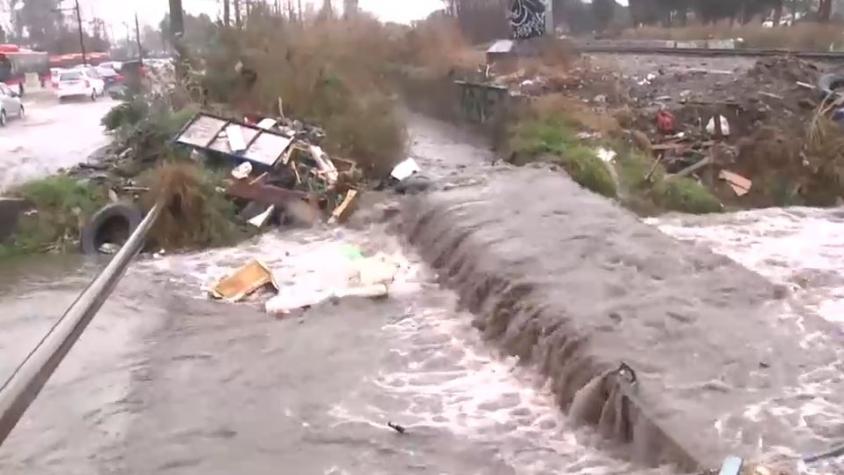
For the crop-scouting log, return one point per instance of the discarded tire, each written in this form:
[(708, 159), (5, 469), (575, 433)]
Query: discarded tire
[(114, 223), (828, 83)]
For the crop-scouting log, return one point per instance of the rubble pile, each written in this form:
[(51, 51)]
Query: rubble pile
[(764, 136), (733, 129), (278, 171)]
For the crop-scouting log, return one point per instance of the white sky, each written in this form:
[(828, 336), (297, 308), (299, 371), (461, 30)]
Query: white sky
[(151, 11)]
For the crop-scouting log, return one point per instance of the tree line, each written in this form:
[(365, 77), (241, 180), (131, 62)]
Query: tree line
[(483, 20), (677, 12)]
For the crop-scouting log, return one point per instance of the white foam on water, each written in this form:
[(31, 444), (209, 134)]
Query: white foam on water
[(453, 381), (803, 249)]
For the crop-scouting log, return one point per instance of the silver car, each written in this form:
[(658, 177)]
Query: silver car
[(10, 104)]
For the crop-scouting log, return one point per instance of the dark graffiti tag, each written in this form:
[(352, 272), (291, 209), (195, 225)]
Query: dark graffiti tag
[(527, 18)]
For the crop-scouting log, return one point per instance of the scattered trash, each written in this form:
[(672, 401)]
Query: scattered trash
[(346, 208), (260, 220), (665, 122), (721, 128), (267, 124), (353, 276), (588, 135), (242, 171), (740, 185), (244, 282), (109, 248), (405, 169), (606, 155), (237, 140), (397, 428)]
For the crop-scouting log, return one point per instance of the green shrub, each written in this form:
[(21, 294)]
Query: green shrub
[(685, 195), (553, 140), (588, 170), (126, 114), (62, 206)]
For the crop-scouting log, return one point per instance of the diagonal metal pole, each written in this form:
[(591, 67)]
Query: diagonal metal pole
[(23, 386)]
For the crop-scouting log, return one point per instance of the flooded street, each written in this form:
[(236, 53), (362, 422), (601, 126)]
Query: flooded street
[(167, 381), (51, 136)]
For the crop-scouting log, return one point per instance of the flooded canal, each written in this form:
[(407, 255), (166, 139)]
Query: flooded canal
[(167, 381)]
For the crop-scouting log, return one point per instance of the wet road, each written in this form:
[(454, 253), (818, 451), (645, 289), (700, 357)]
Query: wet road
[(50, 137)]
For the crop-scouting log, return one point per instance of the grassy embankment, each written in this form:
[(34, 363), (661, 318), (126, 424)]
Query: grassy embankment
[(548, 132)]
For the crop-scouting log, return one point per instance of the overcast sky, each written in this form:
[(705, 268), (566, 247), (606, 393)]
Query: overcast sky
[(151, 11)]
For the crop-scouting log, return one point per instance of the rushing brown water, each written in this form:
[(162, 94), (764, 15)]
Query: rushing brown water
[(166, 381)]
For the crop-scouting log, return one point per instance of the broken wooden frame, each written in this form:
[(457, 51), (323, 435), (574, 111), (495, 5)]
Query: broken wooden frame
[(261, 146)]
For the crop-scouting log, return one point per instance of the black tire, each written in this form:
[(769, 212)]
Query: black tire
[(3, 118), (22, 112), (95, 231), (828, 83), (94, 95)]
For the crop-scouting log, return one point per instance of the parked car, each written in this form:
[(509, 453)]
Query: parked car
[(113, 65), (10, 104), (54, 76), (77, 82), (109, 76)]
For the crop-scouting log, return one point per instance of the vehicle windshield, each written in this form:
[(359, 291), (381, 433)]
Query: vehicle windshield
[(72, 76)]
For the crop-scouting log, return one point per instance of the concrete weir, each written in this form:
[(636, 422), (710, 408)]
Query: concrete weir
[(575, 285)]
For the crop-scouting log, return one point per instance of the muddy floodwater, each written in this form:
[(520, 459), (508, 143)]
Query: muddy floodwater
[(167, 381)]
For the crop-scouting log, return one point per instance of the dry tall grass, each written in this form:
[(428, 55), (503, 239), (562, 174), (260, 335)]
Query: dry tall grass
[(329, 72), (195, 215), (802, 36)]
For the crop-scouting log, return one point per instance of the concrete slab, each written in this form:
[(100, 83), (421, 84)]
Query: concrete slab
[(574, 284)]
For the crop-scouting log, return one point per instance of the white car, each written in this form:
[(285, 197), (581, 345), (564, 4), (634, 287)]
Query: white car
[(80, 82), (10, 104), (114, 65)]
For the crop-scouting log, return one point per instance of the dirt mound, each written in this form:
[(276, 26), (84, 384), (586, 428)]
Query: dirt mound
[(788, 68), (770, 108)]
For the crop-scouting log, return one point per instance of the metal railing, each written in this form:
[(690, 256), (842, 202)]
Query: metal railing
[(24, 385)]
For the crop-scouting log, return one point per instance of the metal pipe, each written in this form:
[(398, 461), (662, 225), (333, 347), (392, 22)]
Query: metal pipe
[(23, 386)]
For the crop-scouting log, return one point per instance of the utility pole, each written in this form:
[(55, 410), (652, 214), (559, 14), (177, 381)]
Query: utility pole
[(301, 13), (227, 15), (138, 39), (81, 35), (550, 25), (177, 31), (237, 19)]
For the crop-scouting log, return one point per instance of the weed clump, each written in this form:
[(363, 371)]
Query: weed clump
[(685, 195), (195, 214), (126, 114), (553, 140), (61, 206)]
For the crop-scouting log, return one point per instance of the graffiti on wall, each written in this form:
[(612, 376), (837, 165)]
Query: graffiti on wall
[(527, 18)]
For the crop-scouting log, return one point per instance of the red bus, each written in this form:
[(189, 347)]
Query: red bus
[(17, 62)]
